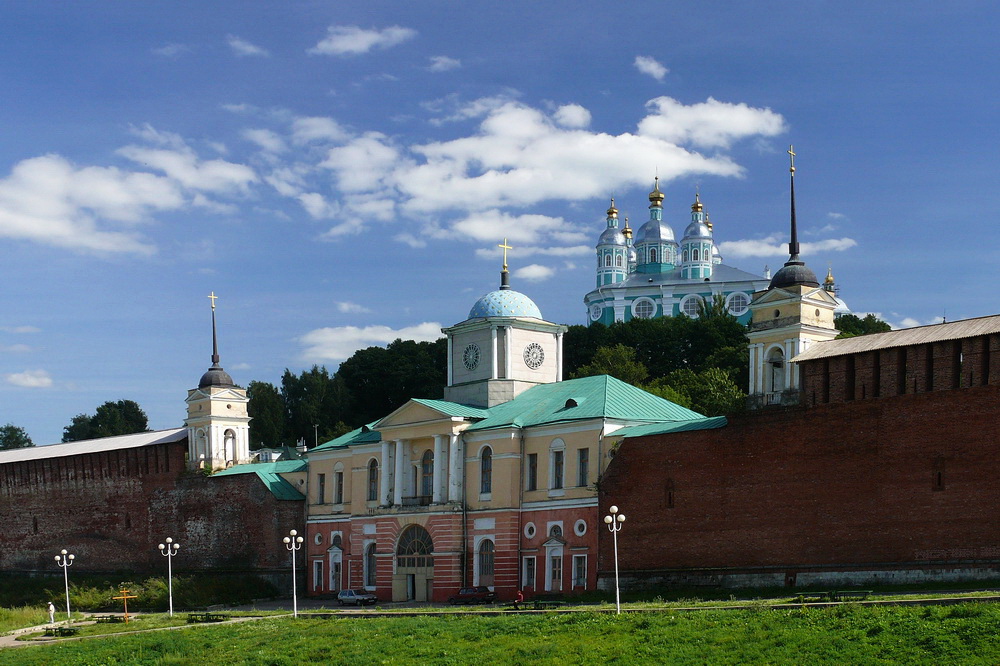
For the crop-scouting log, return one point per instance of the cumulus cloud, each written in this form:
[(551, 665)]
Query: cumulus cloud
[(266, 139), (572, 115), (308, 130), (443, 64), (709, 124), (343, 40), (534, 273), (182, 165), (242, 47), (351, 308), (491, 224), (172, 50), (339, 343), (649, 66), (30, 379), (776, 245)]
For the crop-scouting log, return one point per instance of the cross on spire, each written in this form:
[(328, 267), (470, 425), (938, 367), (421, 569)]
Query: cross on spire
[(212, 297), (791, 155), (505, 248)]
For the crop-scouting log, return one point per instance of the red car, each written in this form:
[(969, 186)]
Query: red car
[(473, 595)]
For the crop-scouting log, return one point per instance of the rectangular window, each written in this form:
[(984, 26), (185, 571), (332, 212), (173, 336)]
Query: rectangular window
[(556, 573), (557, 469), (528, 579), (532, 471), (338, 487), (320, 488), (583, 468), (318, 573), (579, 571)]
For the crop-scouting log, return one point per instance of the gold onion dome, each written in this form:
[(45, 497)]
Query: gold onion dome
[(656, 197), (829, 276), (696, 207), (627, 230), (612, 211)]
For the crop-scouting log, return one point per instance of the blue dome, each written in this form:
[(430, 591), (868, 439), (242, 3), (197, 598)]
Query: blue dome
[(611, 236), (655, 231), (505, 303), (697, 230)]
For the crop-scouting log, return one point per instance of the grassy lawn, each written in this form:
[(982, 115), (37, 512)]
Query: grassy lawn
[(965, 633)]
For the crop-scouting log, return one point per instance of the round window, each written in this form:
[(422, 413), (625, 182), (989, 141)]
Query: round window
[(643, 308), (738, 304), (318, 539), (580, 528), (595, 311), (529, 530), (470, 357), (534, 356), (691, 306)]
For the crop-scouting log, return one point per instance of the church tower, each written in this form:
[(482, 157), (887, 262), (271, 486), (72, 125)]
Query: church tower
[(217, 420), (656, 249), (697, 245), (502, 349), (612, 252), (790, 315)]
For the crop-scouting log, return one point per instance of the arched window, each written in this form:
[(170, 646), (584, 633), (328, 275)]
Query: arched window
[(685, 256), (370, 565), (618, 261), (652, 255), (414, 548), (694, 254), (776, 365), (485, 561), (372, 480), (607, 260), (427, 473), (229, 442), (486, 471)]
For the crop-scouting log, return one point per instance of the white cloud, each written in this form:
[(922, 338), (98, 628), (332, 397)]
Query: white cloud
[(835, 216), (339, 343), (776, 245), (649, 65), (317, 206), (352, 40), (307, 130), (489, 225), (905, 322), (242, 47), (534, 273), (172, 50), (443, 64), (709, 124), (30, 379), (183, 165), (364, 163), (411, 240), (350, 308), (266, 139), (573, 116)]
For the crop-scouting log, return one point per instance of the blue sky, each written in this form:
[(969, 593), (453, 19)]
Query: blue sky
[(340, 173)]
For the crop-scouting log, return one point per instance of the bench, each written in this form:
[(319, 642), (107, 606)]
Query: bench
[(62, 631), (814, 597), (207, 617), (547, 604), (841, 595), (109, 619)]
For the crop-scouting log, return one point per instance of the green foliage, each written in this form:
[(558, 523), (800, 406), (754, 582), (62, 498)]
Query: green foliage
[(267, 412), (617, 361), (851, 325), (123, 417), (14, 437), (711, 392)]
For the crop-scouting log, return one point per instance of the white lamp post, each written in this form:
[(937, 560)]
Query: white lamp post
[(65, 560), (293, 543), (614, 522), (168, 550)]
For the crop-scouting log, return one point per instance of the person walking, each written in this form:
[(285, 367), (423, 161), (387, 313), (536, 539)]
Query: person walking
[(52, 613)]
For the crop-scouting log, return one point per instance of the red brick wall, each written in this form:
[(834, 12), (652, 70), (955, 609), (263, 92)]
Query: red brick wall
[(112, 509), (839, 485)]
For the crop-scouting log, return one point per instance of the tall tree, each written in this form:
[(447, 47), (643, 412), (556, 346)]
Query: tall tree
[(14, 437), (315, 401), (851, 325), (123, 417), (617, 361), (267, 414)]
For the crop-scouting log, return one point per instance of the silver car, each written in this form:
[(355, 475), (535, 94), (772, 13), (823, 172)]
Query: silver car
[(355, 598)]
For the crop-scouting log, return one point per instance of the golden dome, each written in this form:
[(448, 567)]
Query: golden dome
[(696, 207), (829, 276), (656, 197), (627, 231), (612, 211)]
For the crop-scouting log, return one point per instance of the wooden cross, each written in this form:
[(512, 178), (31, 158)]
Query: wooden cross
[(212, 298), (125, 597), (505, 248), (791, 153)]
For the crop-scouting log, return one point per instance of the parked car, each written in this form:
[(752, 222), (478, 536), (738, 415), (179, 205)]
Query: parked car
[(355, 598), (473, 595)]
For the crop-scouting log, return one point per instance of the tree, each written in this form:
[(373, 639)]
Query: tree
[(851, 325), (314, 402), (267, 413), (711, 392), (617, 361), (123, 417), (14, 437)]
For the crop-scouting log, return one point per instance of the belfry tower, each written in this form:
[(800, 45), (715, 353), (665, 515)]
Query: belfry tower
[(217, 420), (786, 318)]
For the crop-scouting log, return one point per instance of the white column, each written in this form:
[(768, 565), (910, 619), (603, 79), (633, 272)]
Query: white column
[(451, 369), (493, 346), (385, 470), (456, 469), (559, 356), (507, 362), (439, 468), (400, 475), (752, 387)]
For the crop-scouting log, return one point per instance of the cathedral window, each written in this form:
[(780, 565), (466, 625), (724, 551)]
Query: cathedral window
[(691, 306), (643, 308), (485, 561), (618, 261), (486, 471), (607, 260), (685, 256), (694, 254), (372, 480), (652, 256)]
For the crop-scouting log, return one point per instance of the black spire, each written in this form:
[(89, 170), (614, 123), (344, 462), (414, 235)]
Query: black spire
[(215, 376), (794, 272)]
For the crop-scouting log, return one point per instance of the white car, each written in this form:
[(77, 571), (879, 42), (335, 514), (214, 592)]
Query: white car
[(355, 598)]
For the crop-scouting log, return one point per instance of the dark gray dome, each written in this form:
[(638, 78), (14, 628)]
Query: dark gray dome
[(794, 273), (216, 376)]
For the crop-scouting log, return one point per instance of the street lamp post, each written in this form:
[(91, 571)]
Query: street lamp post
[(316, 434), (293, 543), (168, 550), (614, 522), (65, 560)]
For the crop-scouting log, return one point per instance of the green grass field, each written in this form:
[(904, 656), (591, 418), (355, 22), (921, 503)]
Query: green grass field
[(961, 634)]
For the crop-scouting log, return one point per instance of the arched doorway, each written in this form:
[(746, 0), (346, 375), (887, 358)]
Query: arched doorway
[(776, 372), (414, 575), (336, 555)]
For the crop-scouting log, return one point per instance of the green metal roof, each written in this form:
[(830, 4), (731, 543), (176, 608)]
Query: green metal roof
[(362, 435), (581, 399), (454, 408), (677, 426), (268, 473)]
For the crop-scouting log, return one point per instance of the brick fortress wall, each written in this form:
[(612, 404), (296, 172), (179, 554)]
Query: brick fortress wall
[(111, 509)]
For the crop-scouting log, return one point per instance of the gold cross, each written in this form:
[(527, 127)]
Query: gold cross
[(212, 297), (125, 597), (791, 152), (505, 248)]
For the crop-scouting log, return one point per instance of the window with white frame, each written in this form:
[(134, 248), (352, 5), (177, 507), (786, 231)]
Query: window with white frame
[(737, 303), (557, 453), (338, 485), (643, 308), (528, 572), (531, 480), (556, 573), (320, 488), (317, 574), (579, 571), (372, 480), (486, 471), (582, 467), (427, 473), (691, 306)]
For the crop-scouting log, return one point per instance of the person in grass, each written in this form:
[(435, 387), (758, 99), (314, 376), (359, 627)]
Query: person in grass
[(52, 613)]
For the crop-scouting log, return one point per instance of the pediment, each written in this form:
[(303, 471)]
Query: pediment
[(225, 394), (410, 413)]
